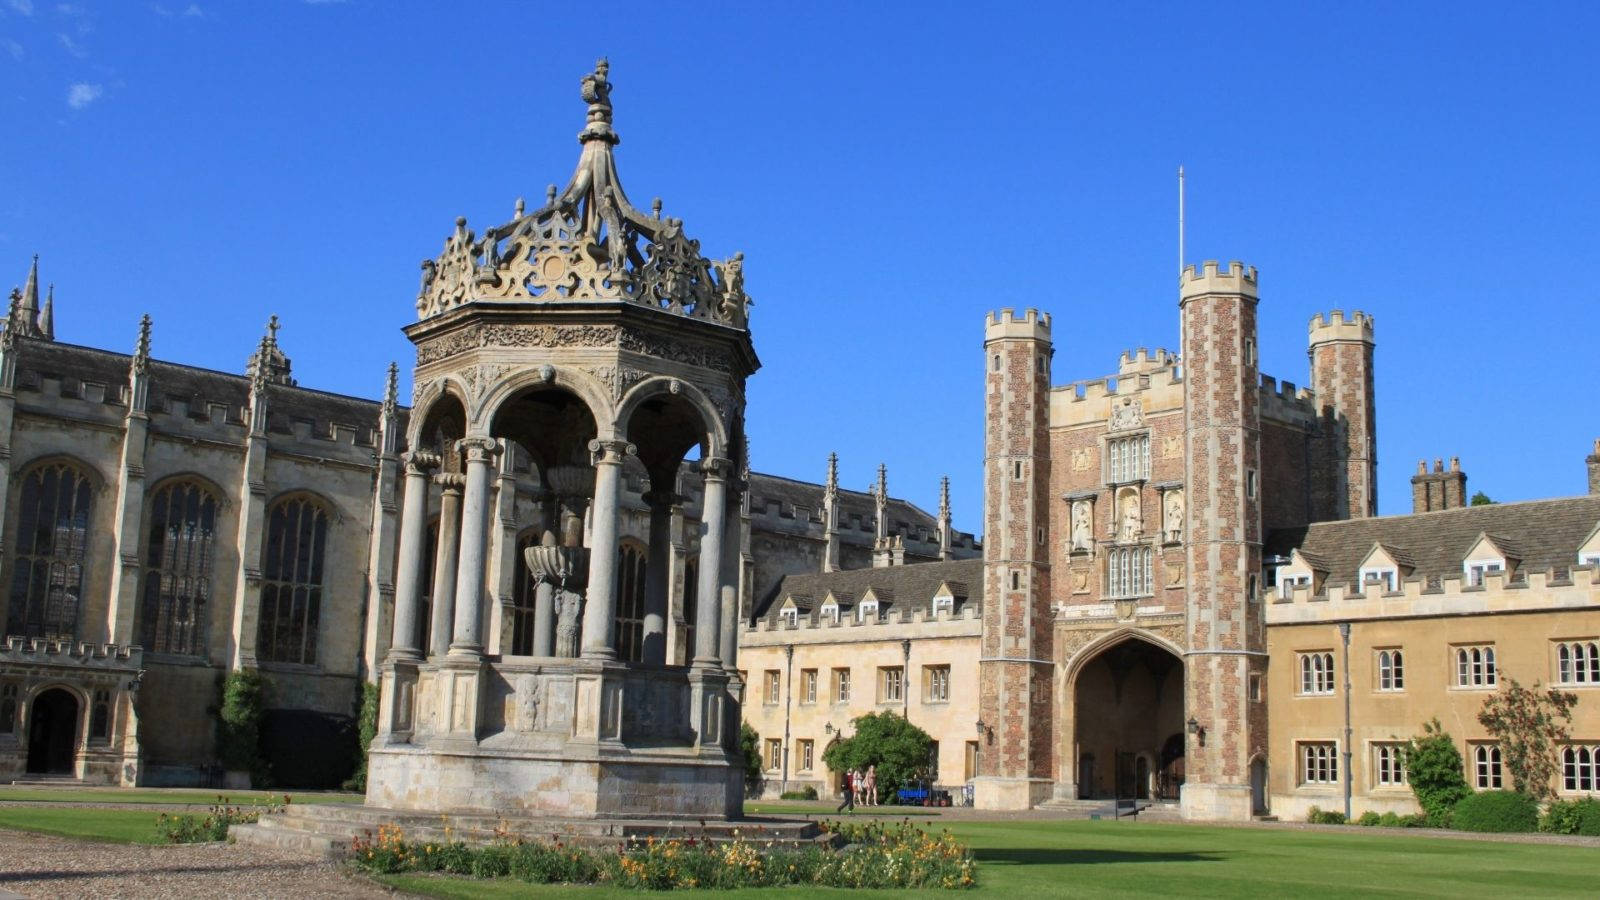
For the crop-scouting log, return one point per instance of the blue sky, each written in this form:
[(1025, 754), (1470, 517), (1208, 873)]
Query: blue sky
[(891, 172)]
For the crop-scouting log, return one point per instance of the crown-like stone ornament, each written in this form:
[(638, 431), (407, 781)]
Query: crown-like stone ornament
[(588, 242)]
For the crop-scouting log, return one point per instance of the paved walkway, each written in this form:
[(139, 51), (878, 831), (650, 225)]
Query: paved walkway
[(42, 866)]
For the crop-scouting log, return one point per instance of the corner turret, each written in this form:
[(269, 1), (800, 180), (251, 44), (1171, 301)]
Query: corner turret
[(1345, 458)]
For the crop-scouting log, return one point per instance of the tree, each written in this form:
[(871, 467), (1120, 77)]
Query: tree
[(898, 748), (1433, 766), (239, 724), (1480, 499), (1529, 724), (750, 746)]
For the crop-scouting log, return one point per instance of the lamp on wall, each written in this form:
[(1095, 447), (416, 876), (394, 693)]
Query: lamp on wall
[(983, 729), (1198, 730), (827, 728)]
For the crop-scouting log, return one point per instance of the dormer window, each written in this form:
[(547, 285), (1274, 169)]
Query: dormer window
[(944, 604), (1476, 569), (790, 616), (1589, 559), (1287, 584), (1385, 576), (867, 611), (830, 612)]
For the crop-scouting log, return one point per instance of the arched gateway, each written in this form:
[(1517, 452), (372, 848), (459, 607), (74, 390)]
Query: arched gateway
[(1128, 722), (574, 336)]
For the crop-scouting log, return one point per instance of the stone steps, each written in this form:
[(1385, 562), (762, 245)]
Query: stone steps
[(331, 830)]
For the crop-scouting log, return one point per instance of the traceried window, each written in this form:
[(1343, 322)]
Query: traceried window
[(630, 603), (1389, 765), (1129, 458), (1475, 667), (180, 553), (1580, 768), (935, 684), (1391, 670), (1578, 662), (523, 590), (291, 581), (891, 684), (1486, 763), (100, 716), (53, 511), (1319, 762), (1316, 673), (808, 686), (841, 685), (1129, 571)]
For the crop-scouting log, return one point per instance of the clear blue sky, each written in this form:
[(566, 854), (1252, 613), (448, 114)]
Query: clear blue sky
[(891, 173)]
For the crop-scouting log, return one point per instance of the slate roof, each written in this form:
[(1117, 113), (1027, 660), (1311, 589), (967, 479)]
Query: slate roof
[(912, 586), (1543, 534)]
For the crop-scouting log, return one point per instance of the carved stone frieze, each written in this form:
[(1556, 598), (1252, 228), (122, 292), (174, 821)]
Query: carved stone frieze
[(1082, 459), (687, 352), (1126, 413), (505, 335)]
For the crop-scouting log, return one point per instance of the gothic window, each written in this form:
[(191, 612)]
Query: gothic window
[(1391, 670), (806, 755), (630, 603), (1475, 667), (291, 581), (1578, 662), (1486, 762), (1316, 673), (841, 685), (1129, 572), (53, 510), (1580, 768), (8, 708), (774, 754), (773, 680), (100, 716), (1319, 762), (179, 555), (522, 599), (1389, 764)]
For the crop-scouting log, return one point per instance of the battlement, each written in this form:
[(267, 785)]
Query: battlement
[(1006, 324), (1116, 386), (1338, 328), (21, 649), (1143, 362), (1284, 402), (1211, 278), (1450, 595), (891, 625)]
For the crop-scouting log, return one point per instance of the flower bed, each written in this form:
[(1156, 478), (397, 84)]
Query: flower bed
[(876, 856), (213, 826)]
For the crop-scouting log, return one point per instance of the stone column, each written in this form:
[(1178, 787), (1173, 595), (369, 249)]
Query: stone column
[(544, 593), (708, 594), (728, 588), (444, 564), (408, 577), (657, 575), (468, 637), (600, 601)]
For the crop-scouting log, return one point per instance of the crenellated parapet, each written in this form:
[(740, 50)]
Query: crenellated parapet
[(1336, 326), (21, 650), (1283, 401), (1211, 278), (1031, 325), (1575, 588)]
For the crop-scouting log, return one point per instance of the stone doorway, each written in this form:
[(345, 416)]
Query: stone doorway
[(1258, 786), (52, 733), (1128, 708)]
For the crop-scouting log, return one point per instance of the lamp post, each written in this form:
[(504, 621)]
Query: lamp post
[(788, 694)]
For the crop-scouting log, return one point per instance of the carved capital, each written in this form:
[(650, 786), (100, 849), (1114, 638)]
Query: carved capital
[(418, 462), (450, 481), (610, 452), (478, 449), (666, 499), (717, 467)]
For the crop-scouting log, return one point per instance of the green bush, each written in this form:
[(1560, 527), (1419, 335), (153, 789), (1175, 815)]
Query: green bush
[(1498, 811), (367, 720), (213, 826), (1369, 819), (750, 749), (1433, 766), (806, 793), (898, 748), (1572, 817), (1319, 816), (239, 724), (1389, 820), (1415, 820)]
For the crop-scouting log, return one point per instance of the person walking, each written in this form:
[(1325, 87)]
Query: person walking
[(872, 785), (849, 784)]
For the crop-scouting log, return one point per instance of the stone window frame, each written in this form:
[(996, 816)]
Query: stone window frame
[(790, 616), (1476, 667), (1139, 578), (1316, 763), (1580, 768), (1115, 462), (1389, 576), (1390, 663), (1389, 771), (72, 561), (314, 582), (1288, 582), (1256, 683), (1317, 673), (808, 687), (774, 754), (936, 683), (1488, 768), (160, 570), (891, 684), (805, 755), (840, 687), (772, 687), (10, 705), (1577, 662)]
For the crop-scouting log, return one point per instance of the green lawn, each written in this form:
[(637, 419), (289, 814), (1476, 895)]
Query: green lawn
[(196, 796), (1081, 858), (819, 809), (126, 826)]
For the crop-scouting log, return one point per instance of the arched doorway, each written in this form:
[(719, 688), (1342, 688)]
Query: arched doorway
[(1258, 786), (1128, 711), (52, 732)]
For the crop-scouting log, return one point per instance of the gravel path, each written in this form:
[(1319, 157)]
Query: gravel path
[(41, 866)]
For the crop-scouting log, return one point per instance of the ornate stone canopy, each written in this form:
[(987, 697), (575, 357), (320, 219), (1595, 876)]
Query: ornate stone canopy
[(588, 242)]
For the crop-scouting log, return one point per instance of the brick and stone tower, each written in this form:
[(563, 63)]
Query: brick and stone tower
[(1223, 550), (1016, 674), (1341, 375)]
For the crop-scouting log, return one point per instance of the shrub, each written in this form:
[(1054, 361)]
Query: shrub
[(750, 748), (1319, 816), (1369, 819), (898, 748), (1499, 811), (1433, 766), (1415, 820), (1389, 820), (239, 723), (806, 793), (367, 719), (213, 826), (1572, 817)]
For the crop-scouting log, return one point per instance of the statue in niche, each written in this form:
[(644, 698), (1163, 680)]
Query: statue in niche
[(1174, 515), (528, 689), (569, 618), (1132, 521), (1082, 526)]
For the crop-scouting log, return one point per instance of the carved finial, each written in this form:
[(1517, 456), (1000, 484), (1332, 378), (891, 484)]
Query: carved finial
[(833, 472), (47, 315), (391, 390), (550, 195), (141, 345), (13, 316), (596, 91), (521, 205), (272, 330), (944, 497), (655, 207)]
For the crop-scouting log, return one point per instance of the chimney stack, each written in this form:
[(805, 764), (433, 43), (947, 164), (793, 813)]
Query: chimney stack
[(1439, 489), (1594, 468)]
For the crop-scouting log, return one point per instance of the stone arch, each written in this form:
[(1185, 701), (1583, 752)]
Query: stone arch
[(1109, 639), (1122, 700), (427, 400), (97, 479), (715, 441), (51, 606), (583, 385), (54, 734), (165, 481)]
